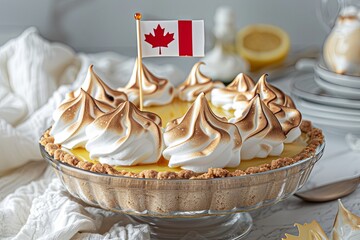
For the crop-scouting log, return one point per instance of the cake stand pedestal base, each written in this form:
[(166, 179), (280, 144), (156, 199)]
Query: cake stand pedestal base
[(232, 226)]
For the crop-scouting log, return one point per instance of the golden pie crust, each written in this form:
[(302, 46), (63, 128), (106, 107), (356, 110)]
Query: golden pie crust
[(315, 139)]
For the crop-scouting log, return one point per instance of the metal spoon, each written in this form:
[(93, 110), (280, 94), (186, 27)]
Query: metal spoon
[(330, 191)]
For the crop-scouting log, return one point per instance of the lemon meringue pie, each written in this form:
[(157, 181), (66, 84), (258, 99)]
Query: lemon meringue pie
[(183, 132)]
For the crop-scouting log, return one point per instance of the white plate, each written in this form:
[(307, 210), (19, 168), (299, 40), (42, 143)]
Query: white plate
[(327, 109), (327, 115), (346, 92), (304, 86), (335, 125), (334, 78)]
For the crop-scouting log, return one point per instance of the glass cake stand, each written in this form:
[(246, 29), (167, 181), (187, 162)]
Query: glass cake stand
[(187, 209)]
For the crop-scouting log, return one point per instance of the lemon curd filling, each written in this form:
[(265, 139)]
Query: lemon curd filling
[(290, 149), (177, 109)]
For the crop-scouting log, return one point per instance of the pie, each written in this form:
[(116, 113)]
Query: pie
[(198, 130)]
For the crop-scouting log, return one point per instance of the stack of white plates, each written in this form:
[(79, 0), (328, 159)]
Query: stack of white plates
[(336, 112), (345, 86)]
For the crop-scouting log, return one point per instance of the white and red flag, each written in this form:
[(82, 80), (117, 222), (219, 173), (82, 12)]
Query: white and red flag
[(172, 38)]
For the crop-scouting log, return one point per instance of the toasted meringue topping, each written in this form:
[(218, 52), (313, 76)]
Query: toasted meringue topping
[(278, 102), (272, 95), (71, 118), (156, 91), (290, 120), (104, 107), (94, 86), (224, 97), (125, 136), (261, 131), (346, 225), (201, 140), (195, 84), (242, 83), (282, 106), (289, 102)]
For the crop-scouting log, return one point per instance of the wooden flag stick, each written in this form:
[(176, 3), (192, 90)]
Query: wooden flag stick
[(137, 17)]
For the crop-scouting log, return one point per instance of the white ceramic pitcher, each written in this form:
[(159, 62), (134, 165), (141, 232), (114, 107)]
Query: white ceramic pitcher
[(341, 50)]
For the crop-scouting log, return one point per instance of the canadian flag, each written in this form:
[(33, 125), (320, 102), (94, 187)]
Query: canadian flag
[(172, 38)]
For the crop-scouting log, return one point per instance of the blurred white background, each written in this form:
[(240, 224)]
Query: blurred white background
[(94, 25)]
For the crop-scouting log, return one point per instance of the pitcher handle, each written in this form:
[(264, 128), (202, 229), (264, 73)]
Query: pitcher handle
[(325, 16)]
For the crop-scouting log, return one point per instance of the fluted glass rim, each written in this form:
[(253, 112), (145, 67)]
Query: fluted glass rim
[(50, 159)]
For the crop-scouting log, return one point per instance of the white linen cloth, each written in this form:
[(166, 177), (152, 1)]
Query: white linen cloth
[(35, 75), (43, 209)]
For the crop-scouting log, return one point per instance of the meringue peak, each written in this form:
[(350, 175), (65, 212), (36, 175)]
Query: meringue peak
[(280, 104), (272, 96), (71, 118), (200, 109), (200, 140), (261, 131), (82, 101), (124, 110), (196, 76), (268, 93), (241, 83), (290, 120), (195, 83), (126, 136), (258, 110), (100, 91), (148, 79), (156, 91), (241, 89)]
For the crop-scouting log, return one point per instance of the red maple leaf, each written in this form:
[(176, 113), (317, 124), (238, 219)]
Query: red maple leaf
[(159, 39)]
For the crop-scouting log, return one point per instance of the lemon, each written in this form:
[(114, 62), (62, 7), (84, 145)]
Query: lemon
[(262, 45)]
